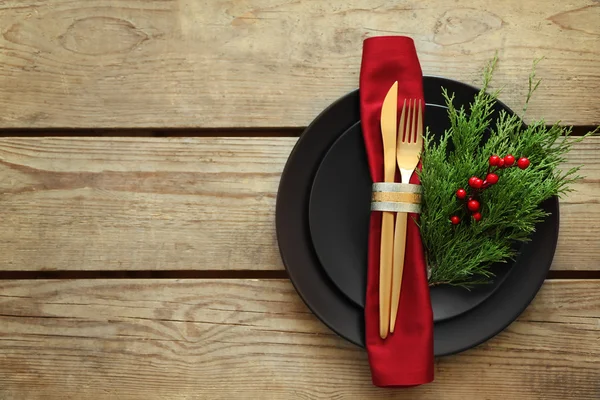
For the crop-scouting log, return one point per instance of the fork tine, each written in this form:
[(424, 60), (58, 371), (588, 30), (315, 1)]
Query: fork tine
[(401, 126), (413, 129), (409, 121)]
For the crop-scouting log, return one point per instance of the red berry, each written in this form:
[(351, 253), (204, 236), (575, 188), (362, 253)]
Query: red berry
[(475, 182), (473, 205), (501, 163), (494, 160), (477, 216), (509, 160), (455, 220), (461, 193), (492, 179), (523, 162)]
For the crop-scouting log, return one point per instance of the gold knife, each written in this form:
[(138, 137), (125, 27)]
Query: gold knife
[(389, 111)]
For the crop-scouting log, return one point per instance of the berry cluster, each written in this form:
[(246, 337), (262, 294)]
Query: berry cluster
[(477, 184)]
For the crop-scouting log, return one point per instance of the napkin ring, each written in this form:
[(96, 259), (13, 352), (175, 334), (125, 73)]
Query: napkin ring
[(396, 197)]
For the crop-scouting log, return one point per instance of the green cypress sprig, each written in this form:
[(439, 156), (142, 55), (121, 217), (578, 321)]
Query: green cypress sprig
[(462, 254)]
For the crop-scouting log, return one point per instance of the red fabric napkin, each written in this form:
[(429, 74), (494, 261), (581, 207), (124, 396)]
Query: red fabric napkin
[(404, 358)]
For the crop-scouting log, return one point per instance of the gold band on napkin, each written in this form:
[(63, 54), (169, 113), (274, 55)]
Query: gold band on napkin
[(396, 197)]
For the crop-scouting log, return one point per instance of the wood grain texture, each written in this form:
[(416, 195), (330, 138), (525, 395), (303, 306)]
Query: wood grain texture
[(272, 63), (140, 203), (224, 339), (186, 204)]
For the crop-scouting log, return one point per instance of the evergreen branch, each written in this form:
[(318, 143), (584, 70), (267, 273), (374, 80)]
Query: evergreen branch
[(532, 86), (462, 255)]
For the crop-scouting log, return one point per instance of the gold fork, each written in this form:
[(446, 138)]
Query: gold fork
[(408, 152)]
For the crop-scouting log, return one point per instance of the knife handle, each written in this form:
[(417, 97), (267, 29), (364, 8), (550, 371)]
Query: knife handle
[(398, 265), (385, 272)]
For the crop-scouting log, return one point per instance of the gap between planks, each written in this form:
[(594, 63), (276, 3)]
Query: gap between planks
[(208, 274), (166, 132), (186, 132)]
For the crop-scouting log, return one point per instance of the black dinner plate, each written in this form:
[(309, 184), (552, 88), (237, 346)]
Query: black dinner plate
[(344, 316)]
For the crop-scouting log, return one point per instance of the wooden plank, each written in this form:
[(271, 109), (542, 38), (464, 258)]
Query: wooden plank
[(140, 203), (259, 63), (185, 204), (578, 246), (224, 339)]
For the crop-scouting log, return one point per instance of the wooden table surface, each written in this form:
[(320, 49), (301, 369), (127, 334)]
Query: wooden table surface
[(141, 146)]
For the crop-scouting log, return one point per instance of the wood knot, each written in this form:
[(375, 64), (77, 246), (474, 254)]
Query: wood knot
[(464, 25), (585, 19), (102, 35)]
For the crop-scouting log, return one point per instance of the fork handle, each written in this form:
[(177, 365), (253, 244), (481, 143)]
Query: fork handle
[(398, 265), (385, 272)]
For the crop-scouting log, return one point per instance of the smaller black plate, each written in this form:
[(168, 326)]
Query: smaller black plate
[(339, 210)]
